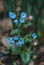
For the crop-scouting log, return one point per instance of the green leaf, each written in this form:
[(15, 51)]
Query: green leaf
[(16, 50), (14, 63), (39, 33), (19, 24), (25, 57), (31, 44), (28, 35), (9, 5), (29, 24), (16, 31), (31, 53), (28, 40)]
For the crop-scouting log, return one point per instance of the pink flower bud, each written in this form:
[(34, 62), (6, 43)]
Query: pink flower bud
[(30, 17), (35, 43)]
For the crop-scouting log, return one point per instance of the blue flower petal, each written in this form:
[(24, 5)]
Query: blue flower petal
[(16, 38), (10, 40), (34, 35), (12, 15), (21, 41), (15, 21), (22, 20), (23, 14)]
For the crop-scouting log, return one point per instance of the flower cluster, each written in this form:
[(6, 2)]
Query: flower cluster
[(16, 41), (20, 42), (22, 17)]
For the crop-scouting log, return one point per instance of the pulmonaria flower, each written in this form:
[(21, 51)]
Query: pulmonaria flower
[(22, 20), (35, 43), (20, 42), (16, 38), (10, 40), (23, 14), (34, 35), (12, 15), (30, 17), (15, 21)]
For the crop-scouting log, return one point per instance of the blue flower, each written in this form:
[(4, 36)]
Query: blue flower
[(12, 15), (21, 41), (15, 21), (16, 38), (22, 20), (10, 40), (34, 35), (23, 14)]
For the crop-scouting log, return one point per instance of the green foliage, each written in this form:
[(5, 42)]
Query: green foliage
[(16, 31), (16, 50), (9, 5), (32, 7), (14, 63), (25, 57)]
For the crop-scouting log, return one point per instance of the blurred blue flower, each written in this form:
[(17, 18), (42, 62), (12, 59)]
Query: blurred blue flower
[(15, 21), (22, 20), (23, 14), (21, 41), (16, 38), (12, 15), (34, 35), (10, 40)]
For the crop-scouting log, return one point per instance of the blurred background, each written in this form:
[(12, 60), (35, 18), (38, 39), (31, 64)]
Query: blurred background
[(13, 22)]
